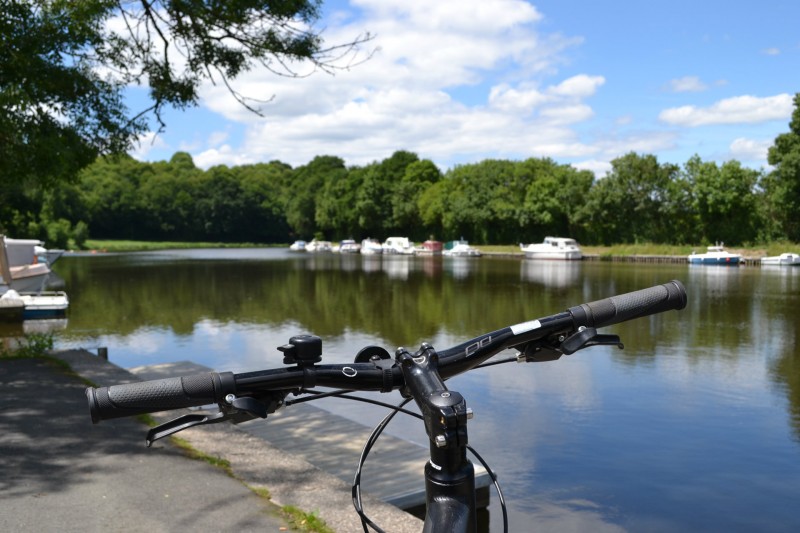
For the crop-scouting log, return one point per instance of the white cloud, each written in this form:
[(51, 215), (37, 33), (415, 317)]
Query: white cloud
[(580, 86), (147, 142), (425, 89), (687, 84), (568, 114), (771, 51), (217, 137), (739, 109), (224, 155), (749, 150), (598, 168)]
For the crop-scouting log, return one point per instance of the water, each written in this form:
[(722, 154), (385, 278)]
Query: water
[(695, 425)]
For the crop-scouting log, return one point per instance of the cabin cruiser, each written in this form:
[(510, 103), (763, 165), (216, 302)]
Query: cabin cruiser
[(715, 255), (398, 245), (560, 248), (371, 247), (298, 246), (316, 246), (28, 251), (460, 248), (348, 246), (786, 259), (16, 273)]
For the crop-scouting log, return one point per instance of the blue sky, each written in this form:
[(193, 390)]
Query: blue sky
[(463, 81)]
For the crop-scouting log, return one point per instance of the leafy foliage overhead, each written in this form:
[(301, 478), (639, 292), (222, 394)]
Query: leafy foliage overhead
[(64, 65)]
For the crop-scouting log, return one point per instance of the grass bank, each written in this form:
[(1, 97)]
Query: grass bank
[(758, 250), (148, 246)]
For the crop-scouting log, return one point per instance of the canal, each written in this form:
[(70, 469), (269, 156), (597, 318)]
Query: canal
[(694, 426)]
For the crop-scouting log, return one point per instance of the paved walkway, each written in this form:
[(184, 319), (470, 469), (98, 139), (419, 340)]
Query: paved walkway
[(62, 473)]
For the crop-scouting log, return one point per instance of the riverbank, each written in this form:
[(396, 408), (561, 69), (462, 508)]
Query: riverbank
[(602, 252)]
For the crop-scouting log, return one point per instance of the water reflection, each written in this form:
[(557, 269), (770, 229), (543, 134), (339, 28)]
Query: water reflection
[(460, 267), (551, 273), (698, 415)]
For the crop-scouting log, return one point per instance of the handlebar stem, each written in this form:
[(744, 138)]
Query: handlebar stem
[(449, 475)]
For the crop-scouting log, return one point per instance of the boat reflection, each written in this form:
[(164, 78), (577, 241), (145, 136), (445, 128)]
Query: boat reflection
[(550, 273), (459, 267), (717, 278), (397, 266)]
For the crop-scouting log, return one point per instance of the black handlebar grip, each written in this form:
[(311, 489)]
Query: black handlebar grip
[(158, 395), (631, 305)]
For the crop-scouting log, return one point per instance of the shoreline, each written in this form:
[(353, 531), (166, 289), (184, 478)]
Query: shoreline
[(655, 259)]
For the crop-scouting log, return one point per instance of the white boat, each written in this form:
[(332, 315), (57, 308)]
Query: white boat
[(26, 277), (715, 255), (786, 259), (371, 247), (15, 306), (460, 248), (298, 246), (398, 245), (43, 255), (559, 248), (316, 246), (430, 247), (28, 251), (349, 246)]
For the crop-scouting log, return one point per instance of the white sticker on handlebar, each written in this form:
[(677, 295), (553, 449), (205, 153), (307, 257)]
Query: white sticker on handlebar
[(526, 326)]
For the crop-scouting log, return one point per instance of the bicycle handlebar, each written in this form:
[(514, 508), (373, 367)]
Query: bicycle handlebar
[(212, 387), (631, 305)]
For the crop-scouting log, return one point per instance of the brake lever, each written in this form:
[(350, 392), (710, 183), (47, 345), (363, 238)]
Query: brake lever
[(542, 351), (182, 422), (586, 337), (240, 410)]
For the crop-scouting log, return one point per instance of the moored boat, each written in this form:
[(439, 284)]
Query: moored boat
[(298, 246), (715, 255), (430, 247), (18, 275), (349, 246), (460, 248), (785, 259), (15, 306), (371, 247), (398, 245), (316, 246), (558, 248)]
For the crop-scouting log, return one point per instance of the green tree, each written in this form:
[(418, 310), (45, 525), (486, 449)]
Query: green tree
[(336, 205), (552, 198), (262, 189), (64, 67), (417, 179), (111, 193), (375, 201), (723, 199), (470, 210), (626, 205), (168, 196), (782, 186), (305, 191)]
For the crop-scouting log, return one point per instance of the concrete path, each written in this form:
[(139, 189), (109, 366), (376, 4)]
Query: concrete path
[(62, 473)]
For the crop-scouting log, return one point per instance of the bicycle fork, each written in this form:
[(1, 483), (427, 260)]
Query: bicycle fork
[(449, 475)]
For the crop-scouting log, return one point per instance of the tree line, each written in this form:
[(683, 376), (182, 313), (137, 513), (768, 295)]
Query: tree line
[(62, 119), (492, 201)]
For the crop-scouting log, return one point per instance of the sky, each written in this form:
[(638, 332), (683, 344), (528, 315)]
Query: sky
[(463, 81)]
